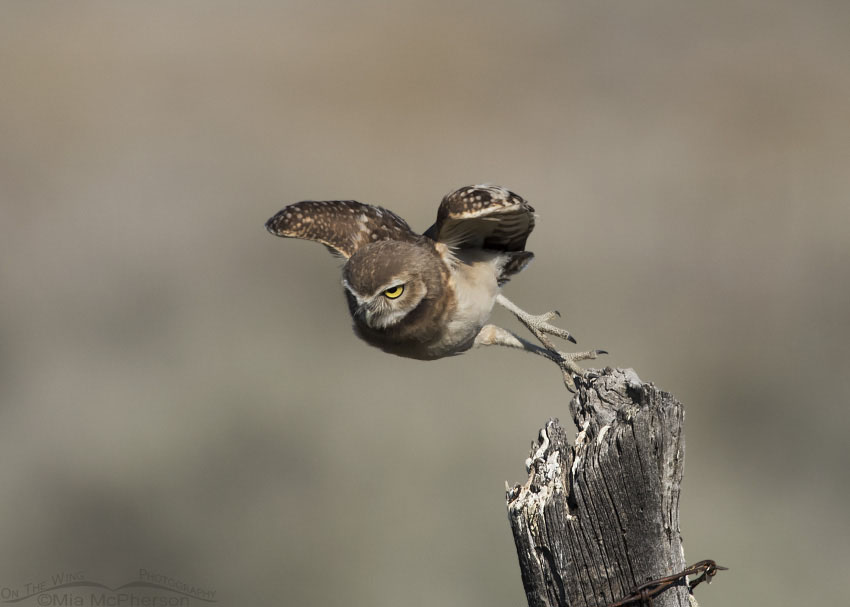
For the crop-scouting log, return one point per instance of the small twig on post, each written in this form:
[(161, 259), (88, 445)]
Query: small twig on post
[(597, 523)]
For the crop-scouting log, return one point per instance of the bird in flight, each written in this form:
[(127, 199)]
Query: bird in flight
[(427, 296)]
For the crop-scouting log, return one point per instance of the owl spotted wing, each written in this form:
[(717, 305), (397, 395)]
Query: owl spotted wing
[(343, 226), (483, 216)]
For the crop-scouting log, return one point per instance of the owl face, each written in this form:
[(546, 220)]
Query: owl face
[(384, 283)]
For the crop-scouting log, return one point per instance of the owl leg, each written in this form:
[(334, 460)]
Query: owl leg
[(538, 325), (491, 335)]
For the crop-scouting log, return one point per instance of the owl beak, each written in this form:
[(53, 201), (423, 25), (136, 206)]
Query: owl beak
[(363, 313), (368, 314)]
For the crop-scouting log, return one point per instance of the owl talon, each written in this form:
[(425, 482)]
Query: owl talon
[(540, 327), (570, 358), (545, 327), (569, 382), (572, 371), (541, 324)]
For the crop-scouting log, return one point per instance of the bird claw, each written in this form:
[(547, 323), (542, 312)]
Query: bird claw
[(539, 325), (572, 371)]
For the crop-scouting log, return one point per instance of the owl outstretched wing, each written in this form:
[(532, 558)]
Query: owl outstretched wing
[(483, 216), (343, 226)]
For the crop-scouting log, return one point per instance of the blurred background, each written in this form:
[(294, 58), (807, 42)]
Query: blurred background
[(182, 392)]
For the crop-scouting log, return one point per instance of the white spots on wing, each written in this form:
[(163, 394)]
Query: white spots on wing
[(343, 225), (363, 220)]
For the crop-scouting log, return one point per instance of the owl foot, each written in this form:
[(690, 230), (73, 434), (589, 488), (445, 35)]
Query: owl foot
[(537, 324), (540, 324), (491, 335), (572, 371)]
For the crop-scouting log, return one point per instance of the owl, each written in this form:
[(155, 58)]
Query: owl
[(430, 295)]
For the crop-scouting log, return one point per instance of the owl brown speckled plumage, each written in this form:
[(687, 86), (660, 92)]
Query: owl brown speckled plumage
[(429, 296)]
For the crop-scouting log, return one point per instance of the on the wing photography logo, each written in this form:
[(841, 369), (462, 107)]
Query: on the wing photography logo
[(76, 589)]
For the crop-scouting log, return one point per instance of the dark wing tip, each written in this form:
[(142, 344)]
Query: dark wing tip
[(289, 221), (272, 225)]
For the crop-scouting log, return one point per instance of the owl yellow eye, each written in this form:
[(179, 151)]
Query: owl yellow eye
[(394, 292)]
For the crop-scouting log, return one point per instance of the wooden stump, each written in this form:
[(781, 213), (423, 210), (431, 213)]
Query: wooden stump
[(597, 518)]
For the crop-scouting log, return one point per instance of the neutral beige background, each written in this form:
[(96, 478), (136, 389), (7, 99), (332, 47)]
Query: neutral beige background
[(181, 392)]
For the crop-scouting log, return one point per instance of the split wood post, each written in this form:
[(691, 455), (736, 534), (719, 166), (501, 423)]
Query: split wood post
[(597, 518)]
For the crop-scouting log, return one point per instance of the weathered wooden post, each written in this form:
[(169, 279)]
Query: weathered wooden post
[(598, 518)]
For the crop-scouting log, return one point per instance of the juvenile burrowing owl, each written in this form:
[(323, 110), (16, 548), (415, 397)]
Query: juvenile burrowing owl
[(429, 296)]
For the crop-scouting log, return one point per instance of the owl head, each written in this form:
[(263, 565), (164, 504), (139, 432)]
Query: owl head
[(391, 282)]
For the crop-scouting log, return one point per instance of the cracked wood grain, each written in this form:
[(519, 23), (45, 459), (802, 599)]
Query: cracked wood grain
[(601, 516)]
